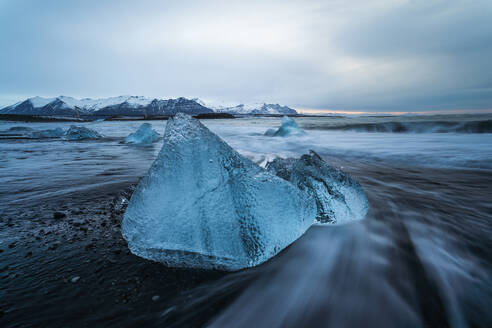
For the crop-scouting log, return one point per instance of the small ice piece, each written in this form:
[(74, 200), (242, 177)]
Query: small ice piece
[(20, 128), (49, 133), (203, 205), (288, 128), (81, 133), (17, 131), (144, 135), (339, 198)]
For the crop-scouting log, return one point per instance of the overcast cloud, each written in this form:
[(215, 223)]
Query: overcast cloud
[(346, 55)]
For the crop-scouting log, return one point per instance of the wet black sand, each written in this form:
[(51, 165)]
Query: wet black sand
[(76, 271)]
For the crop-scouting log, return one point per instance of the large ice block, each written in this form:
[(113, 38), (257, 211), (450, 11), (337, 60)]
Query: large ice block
[(202, 205)]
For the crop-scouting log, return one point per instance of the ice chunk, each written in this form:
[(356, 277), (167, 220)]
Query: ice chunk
[(80, 133), (20, 128), (26, 132), (144, 135), (49, 133), (202, 205), (16, 131), (288, 128), (339, 198)]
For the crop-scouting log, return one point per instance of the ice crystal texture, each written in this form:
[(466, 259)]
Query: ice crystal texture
[(339, 198)]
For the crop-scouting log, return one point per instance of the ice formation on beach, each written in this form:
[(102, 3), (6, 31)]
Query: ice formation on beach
[(339, 198), (81, 133), (49, 133), (203, 205), (20, 128), (288, 128), (29, 133), (144, 135)]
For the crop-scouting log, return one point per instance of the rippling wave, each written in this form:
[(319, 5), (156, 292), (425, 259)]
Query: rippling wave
[(417, 127)]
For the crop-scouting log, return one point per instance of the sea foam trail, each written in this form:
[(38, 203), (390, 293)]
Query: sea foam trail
[(415, 127)]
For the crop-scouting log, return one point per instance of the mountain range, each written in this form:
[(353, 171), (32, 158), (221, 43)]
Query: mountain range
[(134, 106)]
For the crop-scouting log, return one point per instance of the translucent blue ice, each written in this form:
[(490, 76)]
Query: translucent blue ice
[(81, 133), (202, 205), (339, 198), (20, 128), (49, 133), (288, 128), (144, 135), (27, 132)]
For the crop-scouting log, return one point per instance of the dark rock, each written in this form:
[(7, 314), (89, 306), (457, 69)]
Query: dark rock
[(54, 246), (59, 215)]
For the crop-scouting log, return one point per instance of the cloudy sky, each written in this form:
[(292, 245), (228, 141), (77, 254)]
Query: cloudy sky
[(383, 55)]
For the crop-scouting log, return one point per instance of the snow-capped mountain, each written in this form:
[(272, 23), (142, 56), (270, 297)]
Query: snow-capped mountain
[(122, 105), (248, 109), (135, 106)]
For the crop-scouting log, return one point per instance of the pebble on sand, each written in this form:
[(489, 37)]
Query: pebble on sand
[(155, 298), (59, 215)]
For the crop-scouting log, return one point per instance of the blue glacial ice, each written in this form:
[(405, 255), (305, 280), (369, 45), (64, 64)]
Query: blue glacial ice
[(203, 205), (81, 133), (19, 129), (144, 135), (26, 132), (339, 198), (49, 133), (288, 128)]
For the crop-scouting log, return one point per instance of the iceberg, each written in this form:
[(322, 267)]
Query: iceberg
[(288, 128), (203, 205), (339, 198), (81, 133), (49, 133), (19, 128), (144, 135)]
